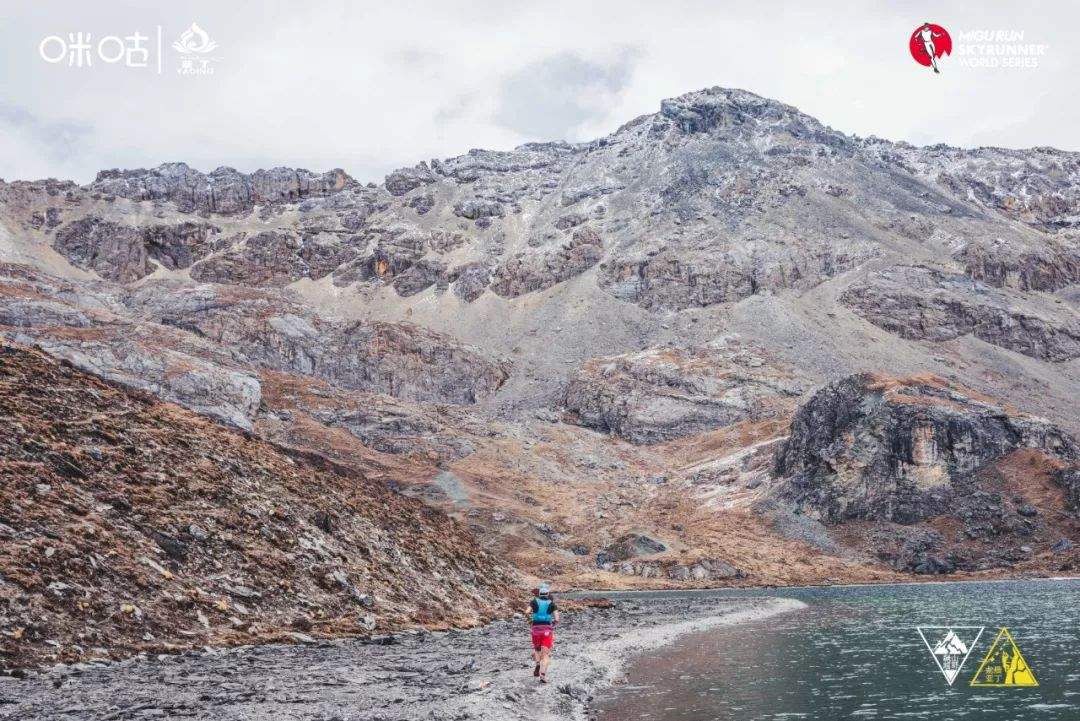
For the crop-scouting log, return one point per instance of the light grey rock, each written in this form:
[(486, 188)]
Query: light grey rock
[(224, 191), (666, 393), (41, 314), (227, 395), (274, 331)]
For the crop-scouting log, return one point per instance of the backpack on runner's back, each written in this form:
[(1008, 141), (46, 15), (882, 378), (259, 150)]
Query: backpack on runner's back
[(542, 612)]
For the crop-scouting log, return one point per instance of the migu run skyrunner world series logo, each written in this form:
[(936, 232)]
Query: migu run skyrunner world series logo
[(990, 49)]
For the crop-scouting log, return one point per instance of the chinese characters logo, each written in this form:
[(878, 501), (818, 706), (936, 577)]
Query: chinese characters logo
[(135, 50), (80, 50)]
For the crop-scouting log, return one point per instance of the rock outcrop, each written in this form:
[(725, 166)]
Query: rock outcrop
[(531, 272), (224, 191), (666, 393), (272, 331), (274, 258), (901, 449), (113, 251), (123, 252), (402, 181), (927, 304), (226, 394), (687, 277), (1049, 266)]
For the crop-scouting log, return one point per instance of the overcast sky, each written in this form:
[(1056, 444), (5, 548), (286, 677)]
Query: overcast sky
[(372, 86)]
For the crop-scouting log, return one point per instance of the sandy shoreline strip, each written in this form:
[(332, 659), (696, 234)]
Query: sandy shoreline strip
[(482, 674)]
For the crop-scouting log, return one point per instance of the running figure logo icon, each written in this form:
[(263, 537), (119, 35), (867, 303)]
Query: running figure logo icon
[(928, 43)]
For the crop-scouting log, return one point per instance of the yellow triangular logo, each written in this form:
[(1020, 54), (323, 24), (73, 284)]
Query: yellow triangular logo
[(1004, 665)]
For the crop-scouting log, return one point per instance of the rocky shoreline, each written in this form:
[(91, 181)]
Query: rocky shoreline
[(482, 674)]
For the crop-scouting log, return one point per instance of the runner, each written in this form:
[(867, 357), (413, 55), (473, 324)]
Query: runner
[(543, 615), (927, 35)]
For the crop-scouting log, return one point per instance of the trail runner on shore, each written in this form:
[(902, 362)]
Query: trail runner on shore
[(543, 615)]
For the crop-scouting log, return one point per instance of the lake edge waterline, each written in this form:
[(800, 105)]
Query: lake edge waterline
[(751, 590)]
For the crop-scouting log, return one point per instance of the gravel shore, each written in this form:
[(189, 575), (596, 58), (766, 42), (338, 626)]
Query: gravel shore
[(483, 674)]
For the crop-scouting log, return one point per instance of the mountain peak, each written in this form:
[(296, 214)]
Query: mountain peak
[(703, 110)]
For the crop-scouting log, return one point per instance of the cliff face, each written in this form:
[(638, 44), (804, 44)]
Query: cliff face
[(915, 450), (224, 191), (926, 304), (878, 448)]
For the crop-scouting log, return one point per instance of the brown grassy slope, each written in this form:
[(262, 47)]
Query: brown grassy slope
[(130, 524)]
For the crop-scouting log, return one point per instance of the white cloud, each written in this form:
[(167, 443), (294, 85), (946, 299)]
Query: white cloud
[(373, 86)]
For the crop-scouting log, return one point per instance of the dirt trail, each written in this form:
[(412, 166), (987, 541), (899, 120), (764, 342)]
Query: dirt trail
[(482, 674)]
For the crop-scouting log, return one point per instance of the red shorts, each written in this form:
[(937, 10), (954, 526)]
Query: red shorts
[(543, 636)]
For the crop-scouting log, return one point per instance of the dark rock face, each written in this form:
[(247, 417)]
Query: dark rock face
[(687, 278), (179, 246), (470, 281), (1001, 264), (396, 429), (113, 251), (420, 276), (666, 393), (526, 273), (925, 304), (477, 208), (224, 191), (122, 252), (877, 448), (402, 181), (570, 220), (273, 258), (631, 545), (1069, 479)]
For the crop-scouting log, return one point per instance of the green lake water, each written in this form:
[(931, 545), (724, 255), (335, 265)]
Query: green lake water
[(855, 653)]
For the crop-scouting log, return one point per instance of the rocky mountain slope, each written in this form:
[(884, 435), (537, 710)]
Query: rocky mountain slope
[(593, 355), (129, 524)]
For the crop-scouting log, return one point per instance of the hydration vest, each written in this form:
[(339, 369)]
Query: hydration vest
[(542, 614)]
